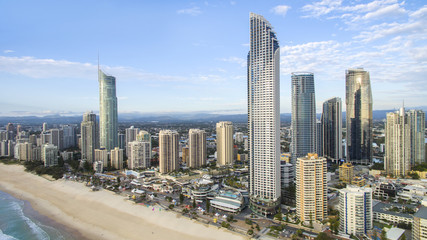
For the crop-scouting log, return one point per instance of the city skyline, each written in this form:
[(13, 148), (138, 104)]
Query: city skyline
[(206, 69)]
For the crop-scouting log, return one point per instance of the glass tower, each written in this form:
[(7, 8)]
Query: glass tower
[(358, 116), (303, 115), (264, 116), (107, 111), (332, 129)]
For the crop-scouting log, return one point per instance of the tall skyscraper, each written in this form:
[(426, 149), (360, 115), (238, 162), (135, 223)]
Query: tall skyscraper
[(417, 125), (403, 135), (140, 151), (69, 136), (197, 148), (303, 115), (107, 111), (319, 137), (49, 154), (355, 207), (358, 116), (311, 188), (89, 136), (264, 116), (168, 151), (332, 129), (224, 143), (57, 136)]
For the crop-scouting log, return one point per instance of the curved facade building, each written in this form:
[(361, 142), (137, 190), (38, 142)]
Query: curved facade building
[(264, 116), (358, 116), (303, 115), (107, 111)]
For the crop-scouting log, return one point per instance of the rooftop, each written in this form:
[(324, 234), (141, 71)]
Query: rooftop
[(422, 213)]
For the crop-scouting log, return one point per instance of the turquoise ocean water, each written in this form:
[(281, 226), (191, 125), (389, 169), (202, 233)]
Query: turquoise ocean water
[(19, 221)]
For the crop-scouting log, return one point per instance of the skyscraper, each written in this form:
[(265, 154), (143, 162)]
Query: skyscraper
[(168, 151), (358, 116), (224, 143), (417, 125), (264, 116), (197, 148), (311, 188), (116, 156), (130, 136), (49, 154), (303, 115), (89, 136), (355, 206), (107, 111), (332, 129), (140, 151)]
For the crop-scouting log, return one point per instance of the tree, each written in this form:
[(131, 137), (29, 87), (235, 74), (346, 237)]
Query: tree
[(230, 218), (250, 232), (311, 219), (323, 236), (383, 235), (299, 233), (248, 221), (278, 216), (208, 205), (181, 198), (194, 203)]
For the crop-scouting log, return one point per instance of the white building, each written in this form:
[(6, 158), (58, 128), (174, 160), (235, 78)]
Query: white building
[(140, 154), (238, 137), (264, 116), (49, 154), (355, 206), (130, 136)]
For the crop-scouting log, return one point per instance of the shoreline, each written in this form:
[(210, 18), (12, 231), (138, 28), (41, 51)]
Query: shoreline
[(101, 214)]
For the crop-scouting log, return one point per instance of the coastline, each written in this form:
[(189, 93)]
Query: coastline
[(101, 214)]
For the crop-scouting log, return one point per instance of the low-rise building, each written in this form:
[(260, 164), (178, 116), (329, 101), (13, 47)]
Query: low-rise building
[(228, 201), (392, 213)]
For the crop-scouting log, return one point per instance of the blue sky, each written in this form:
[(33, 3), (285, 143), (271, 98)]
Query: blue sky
[(185, 56)]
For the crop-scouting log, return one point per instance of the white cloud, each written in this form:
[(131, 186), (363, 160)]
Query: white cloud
[(8, 51), (321, 8), (242, 62), (194, 11), (281, 10)]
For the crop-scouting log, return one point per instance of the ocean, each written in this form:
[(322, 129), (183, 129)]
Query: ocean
[(19, 221)]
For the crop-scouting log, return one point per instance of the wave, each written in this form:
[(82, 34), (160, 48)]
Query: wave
[(35, 229), (4, 236)]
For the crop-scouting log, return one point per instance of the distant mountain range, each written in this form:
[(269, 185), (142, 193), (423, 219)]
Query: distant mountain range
[(163, 118)]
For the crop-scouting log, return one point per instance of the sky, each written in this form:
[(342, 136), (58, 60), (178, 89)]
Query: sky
[(190, 56)]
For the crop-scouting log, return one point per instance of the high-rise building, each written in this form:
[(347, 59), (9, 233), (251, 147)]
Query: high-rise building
[(168, 151), (140, 154), (89, 137), (264, 116), (57, 138), (311, 188), (224, 143), (332, 129), (355, 207), (319, 137), (185, 154), (358, 116), (122, 140), (417, 125), (197, 148), (143, 136), (130, 136), (238, 137), (49, 155), (116, 156), (107, 111), (44, 127), (69, 136), (101, 155), (303, 115), (346, 172), (397, 160), (419, 227)]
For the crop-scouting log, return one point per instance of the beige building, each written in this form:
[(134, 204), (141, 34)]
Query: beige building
[(101, 155), (168, 151), (397, 160), (197, 146), (224, 143), (185, 154), (116, 155), (419, 227), (346, 172), (311, 188), (140, 154)]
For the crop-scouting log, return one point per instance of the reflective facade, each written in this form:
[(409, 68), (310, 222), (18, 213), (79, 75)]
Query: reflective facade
[(89, 136), (358, 116), (264, 116), (107, 111), (303, 115), (332, 129), (417, 125)]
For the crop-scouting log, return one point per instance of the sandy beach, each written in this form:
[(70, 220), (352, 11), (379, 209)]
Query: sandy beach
[(101, 214)]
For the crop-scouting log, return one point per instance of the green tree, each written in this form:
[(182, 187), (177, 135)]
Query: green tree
[(299, 233), (208, 205), (181, 198), (278, 216), (311, 219), (250, 232), (194, 203), (323, 236)]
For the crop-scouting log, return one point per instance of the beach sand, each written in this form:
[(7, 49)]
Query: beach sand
[(101, 214)]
